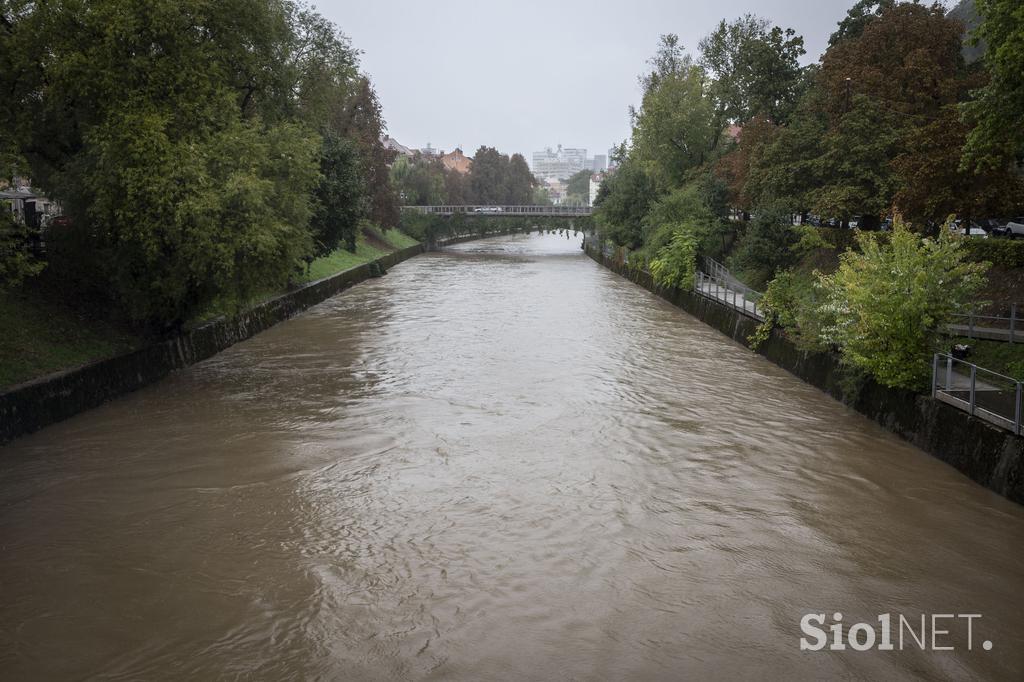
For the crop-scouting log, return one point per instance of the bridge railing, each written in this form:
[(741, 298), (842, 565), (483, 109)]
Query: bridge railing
[(480, 210), (994, 397)]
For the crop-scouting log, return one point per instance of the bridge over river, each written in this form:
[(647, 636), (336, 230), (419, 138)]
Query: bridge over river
[(500, 211), (500, 461)]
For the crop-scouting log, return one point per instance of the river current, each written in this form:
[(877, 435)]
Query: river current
[(498, 462)]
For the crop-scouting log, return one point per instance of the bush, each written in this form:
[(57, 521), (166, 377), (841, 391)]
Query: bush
[(676, 262), (794, 301), (16, 261), (887, 305), (767, 245), (1006, 253)]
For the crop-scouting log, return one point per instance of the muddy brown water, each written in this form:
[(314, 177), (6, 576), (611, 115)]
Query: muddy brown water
[(498, 462)]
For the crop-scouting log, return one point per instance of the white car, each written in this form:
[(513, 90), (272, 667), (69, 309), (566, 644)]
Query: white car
[(488, 209), (973, 231)]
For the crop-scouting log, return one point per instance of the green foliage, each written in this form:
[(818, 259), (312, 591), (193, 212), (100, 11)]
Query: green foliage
[(203, 150), (578, 187), (16, 261), (676, 262), (756, 69), (767, 244), (341, 199), (997, 138), (890, 302), (690, 205), (855, 163), (675, 127), (1006, 253), (626, 197), (794, 302)]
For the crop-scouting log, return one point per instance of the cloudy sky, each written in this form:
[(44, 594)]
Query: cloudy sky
[(528, 74)]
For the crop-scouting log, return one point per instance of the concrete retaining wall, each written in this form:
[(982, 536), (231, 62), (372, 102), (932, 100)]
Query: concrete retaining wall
[(991, 456), (31, 406)]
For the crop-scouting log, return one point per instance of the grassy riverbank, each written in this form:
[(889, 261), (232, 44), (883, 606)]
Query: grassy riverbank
[(43, 330)]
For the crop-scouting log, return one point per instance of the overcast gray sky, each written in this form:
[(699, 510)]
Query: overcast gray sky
[(524, 75)]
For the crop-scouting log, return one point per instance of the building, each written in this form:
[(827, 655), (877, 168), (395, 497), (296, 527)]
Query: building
[(557, 190), (457, 161), (28, 206), (595, 184), (559, 164), (599, 163), (394, 145)]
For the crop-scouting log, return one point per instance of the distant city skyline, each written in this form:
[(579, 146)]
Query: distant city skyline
[(464, 74)]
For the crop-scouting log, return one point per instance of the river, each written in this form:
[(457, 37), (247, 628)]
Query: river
[(500, 461)]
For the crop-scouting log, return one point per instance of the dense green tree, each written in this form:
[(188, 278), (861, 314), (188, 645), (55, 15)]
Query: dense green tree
[(786, 168), (341, 198), (855, 171), (578, 187), (996, 111), (755, 67), (932, 184), (419, 181), (675, 128), (182, 137), (862, 13), (623, 201), (519, 182), (487, 177)]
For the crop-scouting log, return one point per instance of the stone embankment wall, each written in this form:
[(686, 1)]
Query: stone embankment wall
[(991, 456), (31, 406)]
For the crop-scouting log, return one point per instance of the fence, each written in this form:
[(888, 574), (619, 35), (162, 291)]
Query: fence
[(997, 327), (994, 397), (715, 281)]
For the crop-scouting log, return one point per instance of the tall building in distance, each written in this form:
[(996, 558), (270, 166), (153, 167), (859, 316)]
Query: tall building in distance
[(564, 162)]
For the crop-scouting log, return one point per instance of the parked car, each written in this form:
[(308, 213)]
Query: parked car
[(974, 230), (1014, 229)]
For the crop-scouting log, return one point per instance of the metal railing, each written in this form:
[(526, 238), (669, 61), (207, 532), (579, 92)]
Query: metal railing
[(495, 211), (994, 397), (716, 282), (996, 327)]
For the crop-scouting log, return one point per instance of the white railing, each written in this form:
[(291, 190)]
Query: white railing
[(994, 397), (716, 282)]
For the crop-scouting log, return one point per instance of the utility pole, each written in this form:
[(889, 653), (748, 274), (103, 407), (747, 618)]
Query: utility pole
[(846, 106)]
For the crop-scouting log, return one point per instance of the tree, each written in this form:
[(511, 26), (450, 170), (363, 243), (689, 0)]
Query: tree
[(766, 246), (996, 110), (734, 167), (859, 16), (889, 302), (341, 199), (487, 176), (932, 185), (786, 168), (519, 182), (578, 188), (756, 69), (420, 181), (674, 128), (159, 141), (855, 165), (623, 201)]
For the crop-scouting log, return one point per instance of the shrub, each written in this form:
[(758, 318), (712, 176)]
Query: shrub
[(16, 262), (676, 262), (886, 305)]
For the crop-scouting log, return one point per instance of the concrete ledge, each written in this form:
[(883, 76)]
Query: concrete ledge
[(30, 406), (989, 455)]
